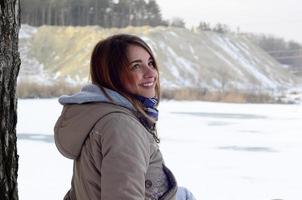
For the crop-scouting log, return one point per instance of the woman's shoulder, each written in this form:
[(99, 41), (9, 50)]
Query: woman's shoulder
[(118, 114), (97, 109), (121, 125), (116, 117)]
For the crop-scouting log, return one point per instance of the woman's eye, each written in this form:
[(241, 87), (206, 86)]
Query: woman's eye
[(135, 66), (151, 64)]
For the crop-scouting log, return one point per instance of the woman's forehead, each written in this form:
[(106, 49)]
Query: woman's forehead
[(136, 52)]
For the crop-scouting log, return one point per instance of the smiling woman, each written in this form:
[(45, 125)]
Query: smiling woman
[(109, 128), (142, 74)]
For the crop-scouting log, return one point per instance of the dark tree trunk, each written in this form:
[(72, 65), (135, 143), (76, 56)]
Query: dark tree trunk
[(9, 69)]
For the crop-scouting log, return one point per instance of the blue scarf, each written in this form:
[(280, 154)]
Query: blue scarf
[(149, 106)]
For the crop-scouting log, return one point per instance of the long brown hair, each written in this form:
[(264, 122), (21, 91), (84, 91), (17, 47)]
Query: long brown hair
[(109, 63)]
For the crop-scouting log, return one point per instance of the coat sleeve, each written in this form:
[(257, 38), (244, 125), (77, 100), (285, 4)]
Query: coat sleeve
[(125, 149)]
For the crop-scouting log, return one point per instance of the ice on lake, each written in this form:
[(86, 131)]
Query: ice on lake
[(220, 151)]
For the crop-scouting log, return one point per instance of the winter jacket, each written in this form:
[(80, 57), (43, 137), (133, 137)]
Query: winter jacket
[(115, 157)]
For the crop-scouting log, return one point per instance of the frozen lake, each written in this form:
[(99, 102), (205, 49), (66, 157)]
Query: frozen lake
[(219, 151)]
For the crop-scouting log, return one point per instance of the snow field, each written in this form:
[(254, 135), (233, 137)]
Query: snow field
[(217, 150)]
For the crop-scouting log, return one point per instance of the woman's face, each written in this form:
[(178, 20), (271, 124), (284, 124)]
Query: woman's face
[(141, 75)]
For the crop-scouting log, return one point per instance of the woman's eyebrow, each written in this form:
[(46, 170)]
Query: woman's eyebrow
[(138, 60)]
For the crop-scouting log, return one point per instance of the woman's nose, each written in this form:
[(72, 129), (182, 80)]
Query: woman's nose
[(149, 71)]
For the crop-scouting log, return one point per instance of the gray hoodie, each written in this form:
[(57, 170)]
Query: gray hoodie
[(92, 93)]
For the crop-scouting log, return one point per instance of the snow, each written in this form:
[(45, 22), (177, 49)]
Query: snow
[(173, 34), (216, 83), (190, 65), (293, 95), (179, 65), (217, 150), (26, 31), (234, 52), (218, 54)]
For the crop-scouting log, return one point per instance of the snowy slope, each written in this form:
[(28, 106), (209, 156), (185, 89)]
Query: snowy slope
[(187, 58)]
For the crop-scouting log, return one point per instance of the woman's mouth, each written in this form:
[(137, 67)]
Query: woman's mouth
[(147, 84)]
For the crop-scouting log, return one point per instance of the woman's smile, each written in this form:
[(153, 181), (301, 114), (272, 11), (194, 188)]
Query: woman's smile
[(141, 78)]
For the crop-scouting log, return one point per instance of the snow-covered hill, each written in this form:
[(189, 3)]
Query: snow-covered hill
[(187, 58)]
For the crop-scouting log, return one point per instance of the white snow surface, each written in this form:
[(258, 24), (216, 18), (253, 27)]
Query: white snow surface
[(219, 151), (234, 52), (26, 31)]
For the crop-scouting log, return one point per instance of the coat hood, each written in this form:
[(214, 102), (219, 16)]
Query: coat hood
[(92, 93), (81, 112)]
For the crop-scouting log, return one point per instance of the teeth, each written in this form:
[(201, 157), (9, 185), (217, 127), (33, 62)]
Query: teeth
[(148, 84)]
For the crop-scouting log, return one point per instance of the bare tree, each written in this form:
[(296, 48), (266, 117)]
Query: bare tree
[(178, 22), (9, 69), (221, 28), (204, 26)]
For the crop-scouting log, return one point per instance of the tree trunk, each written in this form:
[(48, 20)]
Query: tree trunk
[(9, 69), (48, 18), (43, 13)]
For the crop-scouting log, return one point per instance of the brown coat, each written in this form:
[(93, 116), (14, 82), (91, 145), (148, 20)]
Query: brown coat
[(115, 157)]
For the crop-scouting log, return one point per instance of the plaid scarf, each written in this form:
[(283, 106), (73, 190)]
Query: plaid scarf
[(149, 106)]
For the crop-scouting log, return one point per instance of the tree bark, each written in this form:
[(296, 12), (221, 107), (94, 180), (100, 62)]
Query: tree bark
[(9, 69)]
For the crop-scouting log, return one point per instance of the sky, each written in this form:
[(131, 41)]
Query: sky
[(281, 18)]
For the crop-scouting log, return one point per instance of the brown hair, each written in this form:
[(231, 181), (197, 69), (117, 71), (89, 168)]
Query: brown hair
[(109, 63)]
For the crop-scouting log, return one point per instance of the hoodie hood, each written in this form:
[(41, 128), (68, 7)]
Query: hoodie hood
[(92, 93), (81, 112)]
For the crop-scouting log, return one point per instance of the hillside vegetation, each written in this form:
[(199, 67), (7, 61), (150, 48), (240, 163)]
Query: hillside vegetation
[(199, 60)]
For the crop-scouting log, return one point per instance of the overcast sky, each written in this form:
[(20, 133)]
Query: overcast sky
[(281, 18)]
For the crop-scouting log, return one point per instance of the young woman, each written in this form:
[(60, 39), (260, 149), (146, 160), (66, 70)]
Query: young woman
[(109, 128)]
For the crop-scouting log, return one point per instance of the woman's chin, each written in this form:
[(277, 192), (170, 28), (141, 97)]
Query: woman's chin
[(147, 95)]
